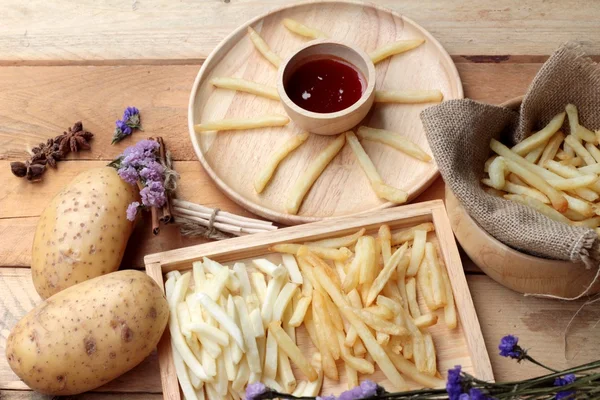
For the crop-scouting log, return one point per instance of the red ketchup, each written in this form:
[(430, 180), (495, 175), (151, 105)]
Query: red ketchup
[(325, 85)]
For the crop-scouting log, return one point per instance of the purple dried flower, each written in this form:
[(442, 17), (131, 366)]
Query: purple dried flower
[(131, 117), (352, 394), (140, 154), (330, 397), (153, 194), (453, 384), (564, 381), (123, 127), (132, 210), (129, 175), (153, 171), (477, 394), (255, 390), (369, 388), (464, 396), (509, 347)]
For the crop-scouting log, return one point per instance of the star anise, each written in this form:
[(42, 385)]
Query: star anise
[(75, 139), (55, 149)]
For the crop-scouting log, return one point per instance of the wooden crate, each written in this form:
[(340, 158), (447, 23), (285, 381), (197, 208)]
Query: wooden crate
[(464, 345)]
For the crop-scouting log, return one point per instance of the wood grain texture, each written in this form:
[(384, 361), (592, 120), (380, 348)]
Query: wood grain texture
[(539, 323), (233, 159), (155, 30), (464, 345)]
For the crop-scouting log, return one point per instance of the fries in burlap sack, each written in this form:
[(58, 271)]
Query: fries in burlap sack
[(530, 177)]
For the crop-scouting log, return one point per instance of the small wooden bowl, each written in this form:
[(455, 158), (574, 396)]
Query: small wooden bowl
[(336, 122), (511, 268)]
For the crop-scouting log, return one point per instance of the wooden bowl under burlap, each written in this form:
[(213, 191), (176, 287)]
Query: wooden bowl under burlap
[(513, 243)]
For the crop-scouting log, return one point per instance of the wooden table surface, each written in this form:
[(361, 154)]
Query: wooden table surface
[(63, 61)]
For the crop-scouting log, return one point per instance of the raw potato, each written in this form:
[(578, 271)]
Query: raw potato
[(83, 232), (88, 334)]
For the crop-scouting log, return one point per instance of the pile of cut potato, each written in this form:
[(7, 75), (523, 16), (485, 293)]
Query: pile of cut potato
[(561, 183), (356, 297)]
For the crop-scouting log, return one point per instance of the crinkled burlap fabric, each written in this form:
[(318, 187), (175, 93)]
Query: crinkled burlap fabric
[(459, 133)]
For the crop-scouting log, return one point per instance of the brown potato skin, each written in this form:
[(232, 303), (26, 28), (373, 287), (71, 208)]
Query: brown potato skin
[(88, 334), (83, 232)]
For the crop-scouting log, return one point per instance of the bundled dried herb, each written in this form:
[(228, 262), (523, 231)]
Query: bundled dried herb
[(49, 153)]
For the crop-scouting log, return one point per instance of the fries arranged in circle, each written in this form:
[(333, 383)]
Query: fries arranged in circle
[(562, 184), (242, 85), (231, 326), (264, 121), (302, 30)]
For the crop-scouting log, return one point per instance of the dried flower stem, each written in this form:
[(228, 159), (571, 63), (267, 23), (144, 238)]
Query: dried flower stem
[(153, 213), (167, 213)]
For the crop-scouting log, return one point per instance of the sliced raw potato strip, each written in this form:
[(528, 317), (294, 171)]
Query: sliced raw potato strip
[(394, 140), (302, 30), (263, 48), (394, 48)]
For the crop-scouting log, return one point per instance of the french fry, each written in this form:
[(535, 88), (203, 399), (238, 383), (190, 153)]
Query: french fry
[(386, 273), (359, 364), (594, 151), (431, 363), (328, 361), (287, 345), (302, 30), (209, 332), (263, 48), (325, 328), (285, 375), (392, 305), (182, 374), (382, 190), (488, 162), (311, 173), (374, 348), (378, 323), (341, 254), (299, 388), (179, 290), (556, 198), (260, 286), (424, 282), (313, 388), (336, 243), (266, 173), (385, 238), (351, 376), (590, 169), (183, 314), (241, 274), (574, 162), (496, 172), (409, 369), (411, 297), (519, 189), (417, 252), (394, 48), (382, 338), (263, 121), (573, 183), (242, 85), (300, 311), (236, 352), (426, 320), (221, 383), (437, 284), (368, 260), (540, 138), (352, 278), (538, 206), (242, 376), (289, 262), (380, 311), (551, 148), (409, 234), (199, 275), (535, 154), (283, 299), (273, 288), (224, 320), (351, 335), (575, 128), (579, 149), (391, 290), (252, 354), (267, 267), (394, 140), (591, 223), (408, 96)]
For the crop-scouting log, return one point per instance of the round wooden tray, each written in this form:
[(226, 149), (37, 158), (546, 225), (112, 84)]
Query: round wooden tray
[(509, 267), (233, 158)]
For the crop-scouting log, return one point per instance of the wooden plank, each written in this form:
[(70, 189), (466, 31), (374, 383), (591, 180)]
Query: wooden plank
[(30, 395), (41, 102), (155, 30), (539, 324)]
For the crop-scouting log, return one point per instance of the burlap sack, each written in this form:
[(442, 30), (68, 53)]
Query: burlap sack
[(459, 133)]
